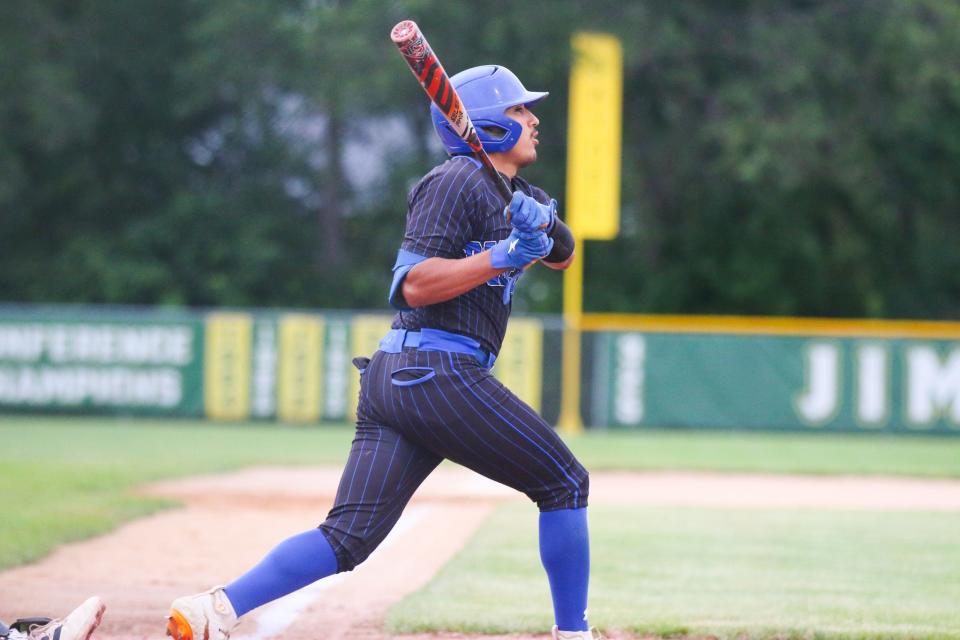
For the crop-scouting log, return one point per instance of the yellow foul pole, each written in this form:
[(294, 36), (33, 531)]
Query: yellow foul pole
[(570, 420), (593, 186)]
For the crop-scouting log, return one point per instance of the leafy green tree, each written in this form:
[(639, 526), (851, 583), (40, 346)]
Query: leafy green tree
[(789, 157)]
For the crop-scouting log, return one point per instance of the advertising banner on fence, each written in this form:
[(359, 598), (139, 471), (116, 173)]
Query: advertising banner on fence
[(776, 382), (88, 364), (236, 365)]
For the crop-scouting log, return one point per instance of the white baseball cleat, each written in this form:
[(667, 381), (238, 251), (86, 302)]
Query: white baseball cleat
[(204, 616), (79, 624), (590, 634)]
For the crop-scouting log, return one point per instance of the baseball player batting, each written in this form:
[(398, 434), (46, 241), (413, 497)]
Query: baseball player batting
[(427, 394)]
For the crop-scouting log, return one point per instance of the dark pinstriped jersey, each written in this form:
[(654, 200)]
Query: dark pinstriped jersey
[(453, 212)]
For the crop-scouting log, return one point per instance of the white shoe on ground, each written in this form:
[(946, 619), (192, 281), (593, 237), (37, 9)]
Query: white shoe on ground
[(590, 634), (79, 624), (204, 616)]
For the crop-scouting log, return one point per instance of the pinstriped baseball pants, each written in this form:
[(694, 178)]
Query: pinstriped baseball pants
[(417, 408)]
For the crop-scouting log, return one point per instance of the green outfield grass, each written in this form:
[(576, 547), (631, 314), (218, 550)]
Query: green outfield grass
[(803, 453), (656, 570), (66, 479), (731, 573), (69, 478)]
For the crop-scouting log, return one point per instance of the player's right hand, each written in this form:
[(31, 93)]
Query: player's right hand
[(527, 214), (519, 249)]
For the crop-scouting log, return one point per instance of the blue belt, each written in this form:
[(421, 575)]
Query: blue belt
[(435, 340)]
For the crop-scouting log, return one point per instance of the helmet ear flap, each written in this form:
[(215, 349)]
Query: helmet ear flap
[(449, 138), (495, 132), (495, 135), (498, 135)]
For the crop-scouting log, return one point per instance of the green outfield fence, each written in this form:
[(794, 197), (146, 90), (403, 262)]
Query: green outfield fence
[(637, 371)]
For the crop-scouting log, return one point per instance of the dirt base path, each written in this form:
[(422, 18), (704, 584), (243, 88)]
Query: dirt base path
[(231, 520)]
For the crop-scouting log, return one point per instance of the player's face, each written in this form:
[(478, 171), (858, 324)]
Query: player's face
[(525, 151)]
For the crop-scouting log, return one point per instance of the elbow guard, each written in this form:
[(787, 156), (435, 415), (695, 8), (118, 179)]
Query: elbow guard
[(563, 242)]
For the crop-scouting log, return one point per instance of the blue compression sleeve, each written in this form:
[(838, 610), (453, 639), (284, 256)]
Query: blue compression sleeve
[(565, 553), (293, 564)]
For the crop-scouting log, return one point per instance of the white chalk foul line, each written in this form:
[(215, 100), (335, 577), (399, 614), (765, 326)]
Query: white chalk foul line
[(277, 617)]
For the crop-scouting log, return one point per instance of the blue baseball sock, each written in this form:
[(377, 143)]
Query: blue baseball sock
[(294, 563), (565, 553)]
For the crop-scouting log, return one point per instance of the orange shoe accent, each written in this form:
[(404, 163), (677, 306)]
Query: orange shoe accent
[(177, 627)]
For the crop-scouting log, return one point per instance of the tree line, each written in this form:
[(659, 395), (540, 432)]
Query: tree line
[(789, 157)]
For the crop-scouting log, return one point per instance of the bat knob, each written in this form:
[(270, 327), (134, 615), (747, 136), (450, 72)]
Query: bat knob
[(404, 32)]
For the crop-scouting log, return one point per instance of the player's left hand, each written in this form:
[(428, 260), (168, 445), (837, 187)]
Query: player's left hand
[(526, 214), (520, 249)]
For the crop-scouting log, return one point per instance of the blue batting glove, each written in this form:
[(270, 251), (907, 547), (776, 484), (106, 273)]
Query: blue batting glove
[(526, 214), (520, 249)]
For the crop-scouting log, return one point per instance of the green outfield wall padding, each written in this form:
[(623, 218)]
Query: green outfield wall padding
[(775, 382), (295, 366), (103, 362)]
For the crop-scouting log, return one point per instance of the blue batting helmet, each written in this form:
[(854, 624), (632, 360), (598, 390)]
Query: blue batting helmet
[(486, 92)]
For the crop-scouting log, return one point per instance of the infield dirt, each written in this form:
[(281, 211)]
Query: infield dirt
[(229, 521)]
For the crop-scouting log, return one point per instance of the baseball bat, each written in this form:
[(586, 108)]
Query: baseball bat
[(426, 67)]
